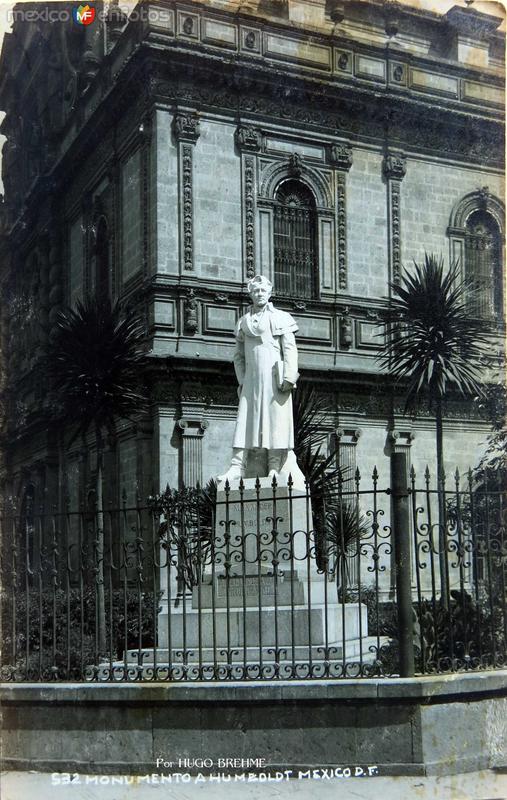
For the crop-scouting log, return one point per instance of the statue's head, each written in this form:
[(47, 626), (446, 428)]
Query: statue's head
[(259, 288)]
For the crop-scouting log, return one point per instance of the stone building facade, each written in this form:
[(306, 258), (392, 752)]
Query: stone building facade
[(169, 156)]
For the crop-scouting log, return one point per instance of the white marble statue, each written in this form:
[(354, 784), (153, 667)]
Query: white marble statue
[(266, 365)]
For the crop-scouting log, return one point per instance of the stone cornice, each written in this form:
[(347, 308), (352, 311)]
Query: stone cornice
[(323, 38), (277, 47), (251, 85)]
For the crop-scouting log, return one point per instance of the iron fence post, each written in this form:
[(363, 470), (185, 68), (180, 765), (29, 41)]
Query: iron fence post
[(401, 540)]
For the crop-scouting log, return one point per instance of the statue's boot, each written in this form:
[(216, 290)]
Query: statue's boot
[(291, 467), (275, 460), (237, 466)]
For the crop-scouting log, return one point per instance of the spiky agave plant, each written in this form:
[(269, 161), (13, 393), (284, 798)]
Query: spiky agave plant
[(94, 367), (433, 344)]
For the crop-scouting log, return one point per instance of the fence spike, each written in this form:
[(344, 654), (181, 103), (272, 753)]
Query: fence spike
[(374, 474), (412, 473)]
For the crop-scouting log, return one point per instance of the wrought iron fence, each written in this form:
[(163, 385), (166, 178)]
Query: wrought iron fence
[(259, 581)]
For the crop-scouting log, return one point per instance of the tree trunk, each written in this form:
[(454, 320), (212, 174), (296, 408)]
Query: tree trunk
[(442, 512), (99, 506)]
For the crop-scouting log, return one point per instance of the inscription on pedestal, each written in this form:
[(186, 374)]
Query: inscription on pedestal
[(251, 591), (251, 587), (261, 528)]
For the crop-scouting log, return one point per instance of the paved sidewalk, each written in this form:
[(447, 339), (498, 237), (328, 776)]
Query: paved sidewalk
[(39, 786)]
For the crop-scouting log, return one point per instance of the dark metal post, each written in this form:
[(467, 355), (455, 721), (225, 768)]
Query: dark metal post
[(401, 540)]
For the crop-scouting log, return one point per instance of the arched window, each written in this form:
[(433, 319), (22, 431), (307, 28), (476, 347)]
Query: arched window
[(483, 264), (476, 234), (102, 268), (295, 241)]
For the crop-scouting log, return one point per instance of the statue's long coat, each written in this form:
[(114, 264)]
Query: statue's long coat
[(265, 355)]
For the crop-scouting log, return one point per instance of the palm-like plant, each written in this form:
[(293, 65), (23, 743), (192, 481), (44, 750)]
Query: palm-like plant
[(433, 344), (95, 357), (94, 364), (337, 522)]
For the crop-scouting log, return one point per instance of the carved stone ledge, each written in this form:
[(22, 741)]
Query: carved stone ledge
[(193, 427), (190, 312), (347, 436), (346, 329), (340, 156), (484, 196), (295, 165), (400, 438), (248, 138), (186, 127), (395, 166)]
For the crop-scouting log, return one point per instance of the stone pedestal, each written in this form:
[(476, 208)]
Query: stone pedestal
[(262, 528), (263, 588), (260, 612)]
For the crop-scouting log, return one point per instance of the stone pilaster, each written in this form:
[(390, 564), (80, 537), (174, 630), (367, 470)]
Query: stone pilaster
[(346, 450), (346, 444), (192, 431), (248, 141), (400, 441), (186, 132), (340, 156), (394, 167)]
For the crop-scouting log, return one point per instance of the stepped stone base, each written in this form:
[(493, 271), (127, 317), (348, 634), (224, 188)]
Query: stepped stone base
[(265, 625), (143, 663), (355, 650)]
